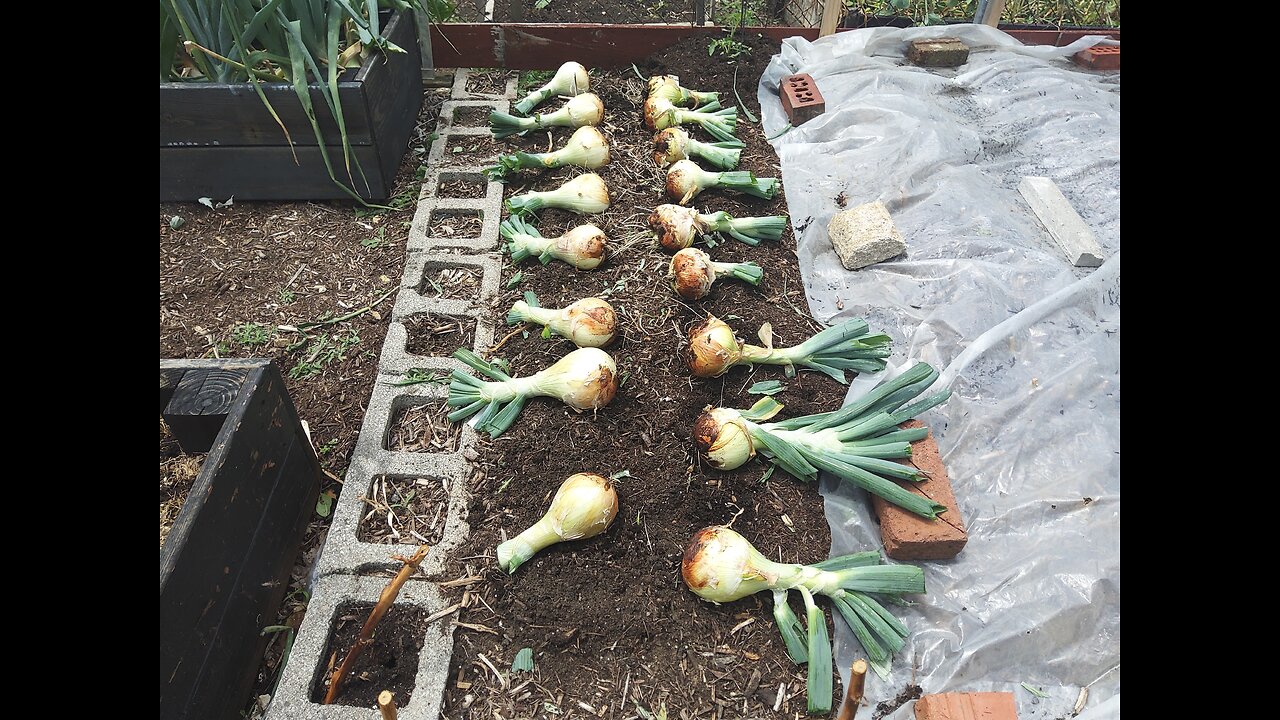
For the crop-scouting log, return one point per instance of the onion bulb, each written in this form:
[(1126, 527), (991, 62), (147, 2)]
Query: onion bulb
[(585, 109), (685, 180), (856, 443), (675, 144), (571, 79), (692, 273), (660, 114), (719, 565), (585, 379), (589, 322), (583, 507), (582, 247), (676, 227), (585, 194), (586, 148), (714, 349), (667, 87)]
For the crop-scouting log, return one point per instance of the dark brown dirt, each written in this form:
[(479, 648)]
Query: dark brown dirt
[(404, 510), (390, 663), (461, 189), (471, 116), (456, 224), (610, 621), (276, 264), (178, 473), (471, 150), (909, 693), (423, 428), (432, 334), (492, 81), (451, 282)]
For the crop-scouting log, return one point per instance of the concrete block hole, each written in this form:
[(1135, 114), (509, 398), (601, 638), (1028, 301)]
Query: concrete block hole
[(472, 116), (450, 281), (438, 335), (404, 510), (421, 425), (390, 663), (472, 186), (455, 224), (470, 150)]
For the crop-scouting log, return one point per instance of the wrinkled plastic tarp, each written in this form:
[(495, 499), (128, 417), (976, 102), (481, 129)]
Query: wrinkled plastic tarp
[(1030, 345)]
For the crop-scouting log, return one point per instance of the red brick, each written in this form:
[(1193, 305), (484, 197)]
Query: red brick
[(801, 99), (1099, 57), (967, 706), (906, 535), (938, 52)]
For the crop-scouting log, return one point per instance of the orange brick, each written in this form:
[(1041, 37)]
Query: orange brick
[(1099, 57), (801, 99), (967, 706), (906, 535)]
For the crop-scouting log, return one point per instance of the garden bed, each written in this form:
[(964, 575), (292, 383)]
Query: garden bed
[(178, 471), (609, 619), (230, 277)]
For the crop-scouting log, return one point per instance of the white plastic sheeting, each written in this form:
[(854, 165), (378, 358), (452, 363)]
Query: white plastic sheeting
[(1030, 345)]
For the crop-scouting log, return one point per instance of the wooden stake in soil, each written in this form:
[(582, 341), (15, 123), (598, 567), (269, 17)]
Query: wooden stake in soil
[(387, 705), (387, 597), (853, 694)]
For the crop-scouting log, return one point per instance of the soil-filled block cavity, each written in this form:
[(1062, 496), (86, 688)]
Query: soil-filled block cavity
[(447, 281), (472, 115), (404, 510), (471, 150), (488, 82), (465, 185), (420, 424), (390, 663), (455, 224), (432, 334)]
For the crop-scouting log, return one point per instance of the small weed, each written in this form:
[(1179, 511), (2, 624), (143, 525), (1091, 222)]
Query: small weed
[(418, 376), (251, 334), (377, 240), (286, 296), (322, 350), (329, 447), (532, 80)]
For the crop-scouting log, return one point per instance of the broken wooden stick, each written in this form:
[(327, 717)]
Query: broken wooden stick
[(365, 639), (853, 693), (387, 705)]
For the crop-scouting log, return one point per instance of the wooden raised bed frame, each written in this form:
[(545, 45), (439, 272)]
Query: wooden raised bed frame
[(225, 565), (218, 140)]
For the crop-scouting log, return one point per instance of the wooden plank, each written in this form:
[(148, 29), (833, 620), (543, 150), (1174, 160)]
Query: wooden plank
[(226, 564), (536, 46), (989, 12), (831, 11), (207, 114), (169, 379), (393, 91), (200, 404), (263, 173)]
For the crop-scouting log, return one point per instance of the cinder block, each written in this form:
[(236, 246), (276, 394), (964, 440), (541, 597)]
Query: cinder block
[(1099, 57), (967, 706), (292, 699), (938, 52), (801, 99), (447, 124), (906, 535), (865, 235), (1062, 221)]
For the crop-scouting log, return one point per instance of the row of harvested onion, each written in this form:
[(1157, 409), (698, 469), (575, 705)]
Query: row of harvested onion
[(857, 443)]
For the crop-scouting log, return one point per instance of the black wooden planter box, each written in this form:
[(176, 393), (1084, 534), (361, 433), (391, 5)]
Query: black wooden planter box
[(225, 565), (219, 141)]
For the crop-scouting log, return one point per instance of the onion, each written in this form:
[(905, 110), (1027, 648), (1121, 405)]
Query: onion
[(685, 180), (570, 79), (692, 273), (856, 443), (676, 227), (585, 379), (585, 194), (583, 507), (585, 109), (589, 322), (720, 565), (660, 114), (667, 87), (713, 350), (586, 148), (582, 247), (674, 144)]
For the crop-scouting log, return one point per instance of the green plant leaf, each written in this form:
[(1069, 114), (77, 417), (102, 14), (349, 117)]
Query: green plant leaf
[(523, 661), (324, 504), (767, 387)]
